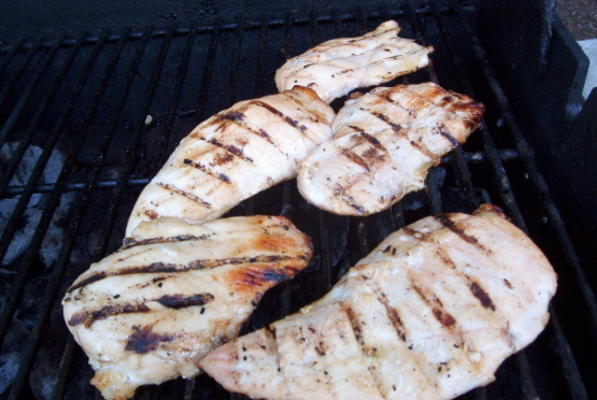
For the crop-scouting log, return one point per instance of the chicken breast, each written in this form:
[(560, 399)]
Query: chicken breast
[(384, 144), (338, 66), (235, 154), (429, 314), (150, 311)]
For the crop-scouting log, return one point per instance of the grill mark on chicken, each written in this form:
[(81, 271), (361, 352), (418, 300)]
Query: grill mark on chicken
[(160, 267), (144, 340), (371, 139), (442, 131), (171, 301), (383, 60), (127, 243), (349, 200), (237, 118), (436, 306), (454, 101), (315, 117), (204, 168), (292, 122), (184, 193), (232, 151), (270, 333), (402, 132), (87, 318), (474, 286), (393, 316), (178, 301), (482, 295), (355, 158), (445, 220), (367, 354)]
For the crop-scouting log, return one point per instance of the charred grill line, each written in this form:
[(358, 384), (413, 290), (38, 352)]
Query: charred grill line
[(205, 169), (127, 243), (184, 194), (355, 158), (393, 316), (242, 123), (292, 122), (89, 317), (474, 286), (365, 351), (445, 220), (231, 150), (436, 306), (178, 301), (143, 340), (160, 267), (270, 332), (448, 136), (402, 132), (171, 301)]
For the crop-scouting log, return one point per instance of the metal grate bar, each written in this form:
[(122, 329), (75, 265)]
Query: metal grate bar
[(236, 60), (325, 266), (208, 70), (12, 225), (27, 91), (70, 237), (536, 176), (27, 135), (8, 86), (130, 150), (182, 73), (576, 386), (46, 304), (16, 287), (9, 56), (210, 28), (258, 90)]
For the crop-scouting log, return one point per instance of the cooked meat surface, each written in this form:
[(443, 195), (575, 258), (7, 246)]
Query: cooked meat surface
[(429, 314), (338, 66), (384, 144), (235, 154), (151, 310)]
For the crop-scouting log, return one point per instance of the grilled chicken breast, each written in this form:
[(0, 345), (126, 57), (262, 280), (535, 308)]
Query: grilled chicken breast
[(384, 144), (429, 314), (338, 66), (151, 310), (235, 154)]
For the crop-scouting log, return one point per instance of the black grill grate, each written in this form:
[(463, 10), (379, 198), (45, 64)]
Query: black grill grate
[(90, 99)]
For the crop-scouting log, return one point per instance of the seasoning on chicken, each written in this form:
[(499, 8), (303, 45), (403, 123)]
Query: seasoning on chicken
[(384, 144), (338, 66), (235, 154), (430, 314), (150, 311)]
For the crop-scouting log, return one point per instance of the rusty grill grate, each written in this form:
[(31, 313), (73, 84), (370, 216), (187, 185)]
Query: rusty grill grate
[(86, 122)]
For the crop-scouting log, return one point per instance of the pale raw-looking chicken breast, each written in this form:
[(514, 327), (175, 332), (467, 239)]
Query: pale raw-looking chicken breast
[(430, 314), (235, 154), (384, 144), (150, 311), (338, 66)]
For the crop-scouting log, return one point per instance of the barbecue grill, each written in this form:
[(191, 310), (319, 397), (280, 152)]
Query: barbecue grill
[(87, 120)]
